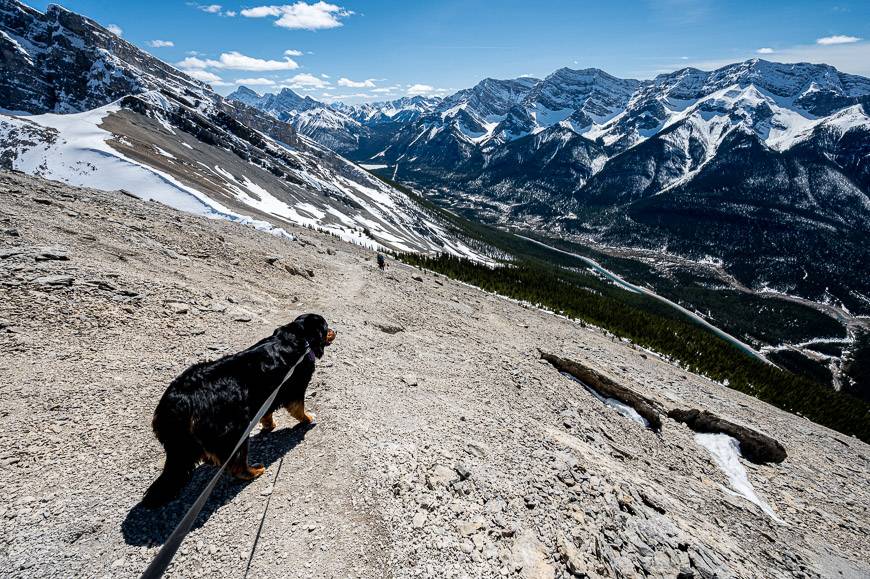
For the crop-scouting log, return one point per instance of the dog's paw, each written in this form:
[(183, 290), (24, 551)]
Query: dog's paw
[(267, 425), (251, 472), (308, 419)]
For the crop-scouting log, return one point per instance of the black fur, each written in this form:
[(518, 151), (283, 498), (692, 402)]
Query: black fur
[(206, 409)]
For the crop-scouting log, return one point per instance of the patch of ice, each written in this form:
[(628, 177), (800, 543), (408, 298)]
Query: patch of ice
[(726, 454), (621, 407)]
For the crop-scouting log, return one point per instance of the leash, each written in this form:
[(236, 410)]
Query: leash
[(164, 557), (263, 519)]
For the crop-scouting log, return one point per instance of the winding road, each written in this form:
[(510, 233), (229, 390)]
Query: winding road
[(638, 289)]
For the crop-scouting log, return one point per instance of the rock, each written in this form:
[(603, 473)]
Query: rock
[(54, 280), (51, 254), (11, 232), (417, 277), (410, 379), (177, 308), (528, 555), (242, 317), (477, 449), (571, 557), (387, 329), (462, 471), (754, 446), (42, 201), (271, 259), (441, 476), (495, 505), (7, 253), (419, 520), (467, 528)]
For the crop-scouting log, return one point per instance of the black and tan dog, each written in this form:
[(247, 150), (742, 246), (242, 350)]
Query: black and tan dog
[(206, 409)]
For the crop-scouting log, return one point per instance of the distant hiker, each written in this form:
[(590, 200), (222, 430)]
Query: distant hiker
[(382, 262)]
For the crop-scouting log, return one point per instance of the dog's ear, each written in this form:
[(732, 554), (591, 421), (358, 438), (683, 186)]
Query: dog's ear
[(314, 328)]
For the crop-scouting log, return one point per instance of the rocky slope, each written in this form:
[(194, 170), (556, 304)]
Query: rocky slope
[(133, 122), (444, 447)]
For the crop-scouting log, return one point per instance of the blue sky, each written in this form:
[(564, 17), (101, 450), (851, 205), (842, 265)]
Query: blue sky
[(357, 50)]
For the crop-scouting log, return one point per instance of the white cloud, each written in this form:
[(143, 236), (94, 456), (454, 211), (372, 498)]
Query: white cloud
[(293, 53), (305, 80), (765, 50), (301, 15), (115, 29), (368, 83), (213, 9), (324, 75), (193, 62), (205, 76), (385, 90), (160, 43), (837, 39), (255, 81), (238, 61), (420, 89)]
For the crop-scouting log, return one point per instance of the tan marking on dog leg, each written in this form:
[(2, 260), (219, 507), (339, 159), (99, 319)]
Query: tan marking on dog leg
[(297, 411), (210, 458), (240, 468), (267, 422)]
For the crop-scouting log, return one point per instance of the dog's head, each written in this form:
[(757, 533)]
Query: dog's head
[(316, 331)]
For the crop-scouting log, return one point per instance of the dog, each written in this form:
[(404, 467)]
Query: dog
[(206, 409)]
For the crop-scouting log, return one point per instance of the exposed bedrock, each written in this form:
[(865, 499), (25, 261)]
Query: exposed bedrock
[(754, 446), (607, 387)]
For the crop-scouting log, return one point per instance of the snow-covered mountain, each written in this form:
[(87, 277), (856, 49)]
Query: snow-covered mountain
[(763, 165), (340, 127), (402, 110), (84, 106)]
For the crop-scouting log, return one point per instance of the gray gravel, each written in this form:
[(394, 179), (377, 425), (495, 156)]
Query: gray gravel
[(444, 448)]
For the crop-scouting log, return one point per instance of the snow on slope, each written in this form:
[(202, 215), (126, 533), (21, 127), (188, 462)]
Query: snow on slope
[(80, 155), (78, 149)]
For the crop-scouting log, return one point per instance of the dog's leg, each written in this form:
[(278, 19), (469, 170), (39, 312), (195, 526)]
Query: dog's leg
[(296, 409), (267, 423), (176, 472), (240, 468)]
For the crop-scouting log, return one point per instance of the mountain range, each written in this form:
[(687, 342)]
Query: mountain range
[(82, 105), (759, 166)]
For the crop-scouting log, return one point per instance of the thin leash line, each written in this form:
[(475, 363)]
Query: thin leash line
[(164, 556), (263, 519)]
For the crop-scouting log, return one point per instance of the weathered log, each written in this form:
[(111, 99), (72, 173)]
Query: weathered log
[(754, 446), (607, 387)]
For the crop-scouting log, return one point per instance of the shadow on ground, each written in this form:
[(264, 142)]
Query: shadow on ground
[(152, 527)]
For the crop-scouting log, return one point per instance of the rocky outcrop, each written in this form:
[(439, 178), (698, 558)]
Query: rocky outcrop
[(607, 387), (754, 446), (62, 62)]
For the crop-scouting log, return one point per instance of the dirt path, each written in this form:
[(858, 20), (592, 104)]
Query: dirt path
[(443, 447)]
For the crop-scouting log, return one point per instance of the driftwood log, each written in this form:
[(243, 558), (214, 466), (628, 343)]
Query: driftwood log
[(754, 446), (607, 387)]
